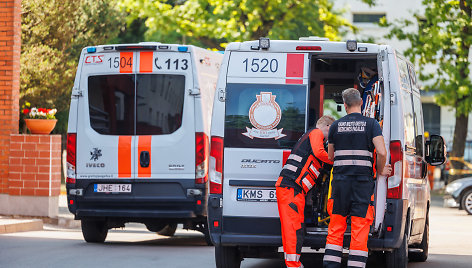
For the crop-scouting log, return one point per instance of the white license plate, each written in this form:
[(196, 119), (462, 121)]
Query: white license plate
[(112, 188), (256, 195)]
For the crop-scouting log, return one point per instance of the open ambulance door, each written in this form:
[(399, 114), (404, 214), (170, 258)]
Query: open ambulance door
[(381, 185)]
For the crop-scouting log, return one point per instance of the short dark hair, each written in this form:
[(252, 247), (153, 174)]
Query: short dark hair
[(351, 97)]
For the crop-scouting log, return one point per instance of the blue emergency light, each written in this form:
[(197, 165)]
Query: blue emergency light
[(91, 49), (182, 49)]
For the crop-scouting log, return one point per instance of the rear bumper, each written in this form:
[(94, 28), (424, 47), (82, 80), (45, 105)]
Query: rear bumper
[(251, 231), (149, 199)]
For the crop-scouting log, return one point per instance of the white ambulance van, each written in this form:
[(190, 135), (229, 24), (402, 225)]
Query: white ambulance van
[(269, 93), (138, 137)]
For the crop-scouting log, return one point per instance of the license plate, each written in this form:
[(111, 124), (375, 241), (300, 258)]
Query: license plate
[(256, 195), (112, 188)]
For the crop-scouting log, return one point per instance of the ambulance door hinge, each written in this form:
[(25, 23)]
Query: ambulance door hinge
[(221, 95), (393, 98), (76, 92), (383, 55), (194, 91)]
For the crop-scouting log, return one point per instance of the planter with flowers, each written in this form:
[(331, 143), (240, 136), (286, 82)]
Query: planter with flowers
[(40, 120)]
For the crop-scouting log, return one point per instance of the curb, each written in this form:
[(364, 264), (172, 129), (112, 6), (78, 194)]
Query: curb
[(16, 225)]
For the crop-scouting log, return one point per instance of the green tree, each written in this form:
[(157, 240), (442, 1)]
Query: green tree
[(442, 37), (53, 34), (216, 22)]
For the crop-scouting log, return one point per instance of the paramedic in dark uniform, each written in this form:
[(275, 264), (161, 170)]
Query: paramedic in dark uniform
[(351, 143), (306, 161)]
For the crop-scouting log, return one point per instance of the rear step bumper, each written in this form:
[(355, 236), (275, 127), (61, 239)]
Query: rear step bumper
[(149, 198)]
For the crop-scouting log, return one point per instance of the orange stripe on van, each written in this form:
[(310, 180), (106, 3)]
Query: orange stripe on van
[(145, 61), (144, 144), (126, 62), (124, 156), (295, 66)]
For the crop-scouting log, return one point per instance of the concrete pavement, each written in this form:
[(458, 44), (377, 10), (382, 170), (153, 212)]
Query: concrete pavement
[(134, 246)]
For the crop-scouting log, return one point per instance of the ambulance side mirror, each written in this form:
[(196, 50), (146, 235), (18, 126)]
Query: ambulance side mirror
[(435, 150)]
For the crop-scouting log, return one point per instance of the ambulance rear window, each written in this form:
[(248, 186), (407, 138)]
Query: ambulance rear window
[(136, 104), (264, 116), (111, 103), (160, 103)]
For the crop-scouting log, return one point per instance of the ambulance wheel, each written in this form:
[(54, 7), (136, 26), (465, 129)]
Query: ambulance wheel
[(94, 231), (398, 258), (227, 257), (423, 255), (168, 230)]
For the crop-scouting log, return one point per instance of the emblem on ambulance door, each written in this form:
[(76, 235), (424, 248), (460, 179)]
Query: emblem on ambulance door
[(265, 115), (95, 153)]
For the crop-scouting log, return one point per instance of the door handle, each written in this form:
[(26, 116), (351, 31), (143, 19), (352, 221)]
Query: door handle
[(144, 159)]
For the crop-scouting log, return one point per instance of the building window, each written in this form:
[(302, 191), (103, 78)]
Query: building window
[(367, 17)]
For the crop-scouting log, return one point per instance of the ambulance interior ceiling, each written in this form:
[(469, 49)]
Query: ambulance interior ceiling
[(330, 75)]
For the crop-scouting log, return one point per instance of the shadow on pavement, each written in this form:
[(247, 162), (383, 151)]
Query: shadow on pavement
[(175, 241)]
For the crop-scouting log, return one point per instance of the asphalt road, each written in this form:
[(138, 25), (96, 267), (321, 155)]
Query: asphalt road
[(134, 246)]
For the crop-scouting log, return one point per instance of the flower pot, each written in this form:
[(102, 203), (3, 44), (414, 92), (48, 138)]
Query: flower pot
[(40, 126)]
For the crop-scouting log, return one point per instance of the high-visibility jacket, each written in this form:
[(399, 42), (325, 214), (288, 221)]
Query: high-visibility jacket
[(353, 147), (304, 164)]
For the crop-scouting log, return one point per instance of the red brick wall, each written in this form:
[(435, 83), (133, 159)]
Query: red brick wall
[(30, 169), (10, 47)]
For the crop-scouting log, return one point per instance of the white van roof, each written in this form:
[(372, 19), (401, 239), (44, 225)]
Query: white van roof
[(319, 46)]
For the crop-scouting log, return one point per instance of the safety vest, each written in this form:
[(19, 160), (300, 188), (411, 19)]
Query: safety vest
[(353, 147), (302, 166)]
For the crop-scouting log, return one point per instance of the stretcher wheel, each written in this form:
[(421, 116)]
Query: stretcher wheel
[(227, 257), (94, 231)]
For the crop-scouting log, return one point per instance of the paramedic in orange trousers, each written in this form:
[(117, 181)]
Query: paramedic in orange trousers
[(306, 160), (351, 143)]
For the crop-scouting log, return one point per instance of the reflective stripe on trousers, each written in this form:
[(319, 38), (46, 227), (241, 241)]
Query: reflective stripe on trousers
[(333, 255)]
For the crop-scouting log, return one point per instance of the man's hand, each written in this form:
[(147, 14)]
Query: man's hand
[(387, 170)]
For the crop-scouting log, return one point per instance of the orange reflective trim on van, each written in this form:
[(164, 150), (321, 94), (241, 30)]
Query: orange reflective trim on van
[(126, 62), (145, 61), (124, 156), (144, 144)]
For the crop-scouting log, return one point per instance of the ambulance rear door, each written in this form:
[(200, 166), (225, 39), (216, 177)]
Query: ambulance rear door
[(105, 122), (266, 113), (165, 127), (381, 183)]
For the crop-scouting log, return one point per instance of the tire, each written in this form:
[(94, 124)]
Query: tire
[(227, 257), (94, 231), (466, 201), (422, 256), (398, 258), (168, 230)]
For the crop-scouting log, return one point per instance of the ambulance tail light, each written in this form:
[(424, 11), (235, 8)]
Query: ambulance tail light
[(395, 180), (216, 165), (71, 157), (201, 157)]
